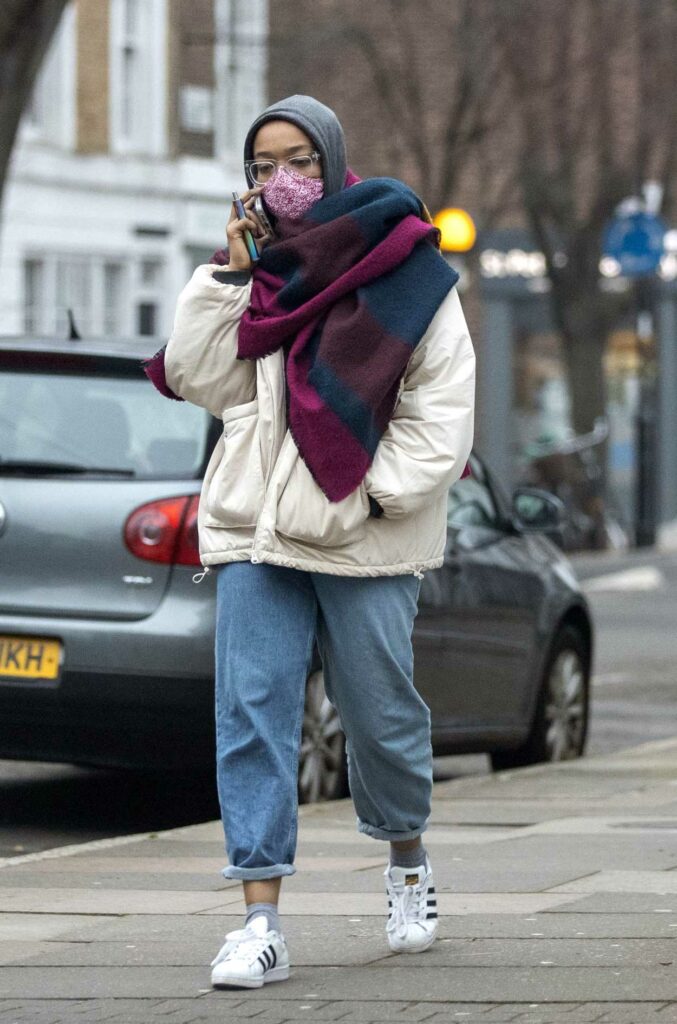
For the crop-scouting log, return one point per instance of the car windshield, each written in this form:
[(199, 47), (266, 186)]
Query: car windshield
[(98, 424)]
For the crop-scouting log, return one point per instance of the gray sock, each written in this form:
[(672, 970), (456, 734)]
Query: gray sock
[(270, 911), (414, 858)]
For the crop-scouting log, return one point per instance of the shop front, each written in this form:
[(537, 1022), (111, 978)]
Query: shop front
[(524, 423)]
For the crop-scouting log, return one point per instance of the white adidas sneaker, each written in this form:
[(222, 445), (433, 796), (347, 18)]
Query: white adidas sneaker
[(251, 957), (412, 908)]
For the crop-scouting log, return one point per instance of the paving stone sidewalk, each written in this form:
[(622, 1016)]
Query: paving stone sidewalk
[(557, 885)]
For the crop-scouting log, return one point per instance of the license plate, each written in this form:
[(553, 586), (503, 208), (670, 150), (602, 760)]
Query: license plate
[(29, 657)]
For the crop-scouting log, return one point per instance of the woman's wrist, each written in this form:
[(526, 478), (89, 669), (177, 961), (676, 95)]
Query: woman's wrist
[(236, 267)]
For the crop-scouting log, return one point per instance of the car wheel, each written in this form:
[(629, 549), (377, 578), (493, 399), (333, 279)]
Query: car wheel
[(560, 725), (323, 770)]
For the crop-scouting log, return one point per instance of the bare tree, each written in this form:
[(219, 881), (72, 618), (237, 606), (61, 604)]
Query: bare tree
[(547, 112), (592, 86), (26, 28), (428, 70)]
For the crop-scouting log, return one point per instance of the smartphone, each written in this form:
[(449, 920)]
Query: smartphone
[(251, 244), (260, 211)]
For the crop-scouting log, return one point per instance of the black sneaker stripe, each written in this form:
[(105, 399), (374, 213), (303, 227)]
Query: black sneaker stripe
[(273, 956), (262, 960), (431, 888), (432, 903), (268, 955), (430, 916)]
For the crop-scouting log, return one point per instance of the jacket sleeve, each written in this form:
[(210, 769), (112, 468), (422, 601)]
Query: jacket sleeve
[(200, 362), (427, 442)]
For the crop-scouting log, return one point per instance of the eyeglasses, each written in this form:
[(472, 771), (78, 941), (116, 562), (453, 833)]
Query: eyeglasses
[(261, 171)]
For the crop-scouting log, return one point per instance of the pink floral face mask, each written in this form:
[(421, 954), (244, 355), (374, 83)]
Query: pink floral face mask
[(290, 194)]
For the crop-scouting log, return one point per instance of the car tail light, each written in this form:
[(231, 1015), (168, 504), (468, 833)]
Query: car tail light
[(165, 531)]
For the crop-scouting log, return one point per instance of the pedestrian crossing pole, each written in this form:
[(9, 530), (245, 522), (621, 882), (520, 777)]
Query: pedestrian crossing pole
[(635, 239), (647, 418)]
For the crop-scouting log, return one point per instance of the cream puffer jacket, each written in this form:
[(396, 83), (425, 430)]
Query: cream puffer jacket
[(259, 502)]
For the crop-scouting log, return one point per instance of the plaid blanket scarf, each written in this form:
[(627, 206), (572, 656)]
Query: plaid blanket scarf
[(349, 292)]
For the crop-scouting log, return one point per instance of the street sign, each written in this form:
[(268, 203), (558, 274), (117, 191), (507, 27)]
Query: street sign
[(635, 241)]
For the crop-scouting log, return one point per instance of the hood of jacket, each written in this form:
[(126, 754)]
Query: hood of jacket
[(320, 124)]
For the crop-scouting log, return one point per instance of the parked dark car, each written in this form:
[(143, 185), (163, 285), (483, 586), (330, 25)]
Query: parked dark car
[(106, 642)]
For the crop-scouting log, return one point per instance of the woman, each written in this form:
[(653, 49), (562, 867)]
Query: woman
[(341, 366)]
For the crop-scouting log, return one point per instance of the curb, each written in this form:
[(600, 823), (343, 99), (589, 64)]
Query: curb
[(309, 810)]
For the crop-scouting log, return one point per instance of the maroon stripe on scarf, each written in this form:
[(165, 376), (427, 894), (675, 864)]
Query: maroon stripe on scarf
[(263, 328), (334, 456), (343, 343), (342, 238)]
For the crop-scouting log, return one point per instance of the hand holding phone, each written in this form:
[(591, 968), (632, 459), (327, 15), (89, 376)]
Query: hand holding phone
[(242, 247), (248, 237)]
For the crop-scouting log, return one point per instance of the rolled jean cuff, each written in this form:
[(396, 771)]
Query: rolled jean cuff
[(387, 834), (258, 874)]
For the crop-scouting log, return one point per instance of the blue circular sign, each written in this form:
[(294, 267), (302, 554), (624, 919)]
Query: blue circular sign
[(635, 241)]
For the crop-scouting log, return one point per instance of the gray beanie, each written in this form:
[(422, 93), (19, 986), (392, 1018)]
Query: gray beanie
[(320, 124)]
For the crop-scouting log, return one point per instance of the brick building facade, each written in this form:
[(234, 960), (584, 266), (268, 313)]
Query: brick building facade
[(423, 96), (133, 140), (126, 155)]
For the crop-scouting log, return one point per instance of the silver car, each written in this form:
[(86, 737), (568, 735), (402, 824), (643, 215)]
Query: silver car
[(106, 643)]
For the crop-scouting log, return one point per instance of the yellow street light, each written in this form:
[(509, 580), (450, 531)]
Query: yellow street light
[(456, 228)]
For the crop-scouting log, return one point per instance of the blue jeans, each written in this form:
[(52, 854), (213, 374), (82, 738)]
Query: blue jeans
[(267, 620)]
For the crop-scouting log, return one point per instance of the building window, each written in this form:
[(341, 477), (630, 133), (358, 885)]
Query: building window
[(146, 319), (196, 109), (74, 293), (107, 296), (241, 69), (33, 290), (130, 79), (149, 291), (90, 288), (150, 273), (138, 76), (113, 298), (50, 112)]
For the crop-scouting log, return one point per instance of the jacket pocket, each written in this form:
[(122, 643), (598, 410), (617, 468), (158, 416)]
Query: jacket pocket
[(304, 513), (235, 493)]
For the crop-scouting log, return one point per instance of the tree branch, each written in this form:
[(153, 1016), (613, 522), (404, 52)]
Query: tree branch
[(26, 30)]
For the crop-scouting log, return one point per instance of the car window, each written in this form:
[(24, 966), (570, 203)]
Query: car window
[(103, 421), (470, 504)]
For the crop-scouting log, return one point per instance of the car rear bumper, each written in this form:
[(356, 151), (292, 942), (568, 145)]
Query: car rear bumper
[(134, 693), (176, 640), (131, 721)]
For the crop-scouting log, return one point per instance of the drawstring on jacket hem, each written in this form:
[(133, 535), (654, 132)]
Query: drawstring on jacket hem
[(199, 576)]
